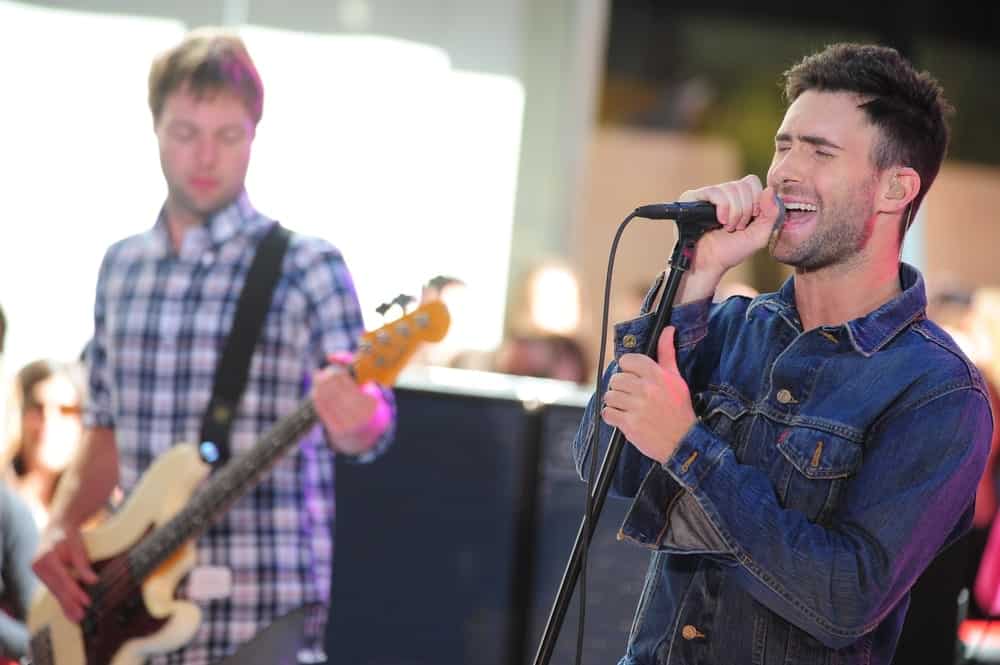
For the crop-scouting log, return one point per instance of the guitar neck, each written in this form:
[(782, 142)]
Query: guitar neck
[(220, 491), (380, 356)]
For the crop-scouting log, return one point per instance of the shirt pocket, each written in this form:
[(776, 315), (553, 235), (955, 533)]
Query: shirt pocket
[(813, 466), (723, 413)]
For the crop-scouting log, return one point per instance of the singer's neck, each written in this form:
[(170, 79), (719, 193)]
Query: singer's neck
[(835, 295)]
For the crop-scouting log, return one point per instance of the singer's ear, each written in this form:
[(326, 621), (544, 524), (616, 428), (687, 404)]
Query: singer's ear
[(899, 186)]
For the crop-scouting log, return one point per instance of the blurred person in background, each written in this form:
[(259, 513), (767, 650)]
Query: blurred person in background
[(164, 304), (983, 335), (44, 431), (545, 356), (938, 605), (796, 461), (543, 325), (18, 541), (972, 318)]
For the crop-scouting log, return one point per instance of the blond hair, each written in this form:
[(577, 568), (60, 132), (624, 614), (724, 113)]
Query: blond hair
[(206, 62)]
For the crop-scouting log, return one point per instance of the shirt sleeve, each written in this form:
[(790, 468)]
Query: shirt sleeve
[(336, 324), (98, 410)]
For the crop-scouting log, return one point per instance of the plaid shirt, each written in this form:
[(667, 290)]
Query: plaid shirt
[(161, 318)]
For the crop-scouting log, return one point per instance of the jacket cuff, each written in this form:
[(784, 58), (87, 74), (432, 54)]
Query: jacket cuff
[(667, 514)]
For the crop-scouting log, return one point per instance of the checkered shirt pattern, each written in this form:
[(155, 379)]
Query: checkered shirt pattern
[(161, 318)]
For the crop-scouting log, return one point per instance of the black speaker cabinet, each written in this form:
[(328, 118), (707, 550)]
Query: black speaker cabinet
[(449, 548)]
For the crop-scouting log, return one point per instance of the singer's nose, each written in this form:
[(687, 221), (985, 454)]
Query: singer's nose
[(785, 169)]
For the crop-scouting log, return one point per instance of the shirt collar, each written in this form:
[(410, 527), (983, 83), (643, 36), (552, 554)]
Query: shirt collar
[(239, 217), (868, 333)]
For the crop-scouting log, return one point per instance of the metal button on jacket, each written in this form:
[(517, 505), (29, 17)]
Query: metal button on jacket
[(689, 632)]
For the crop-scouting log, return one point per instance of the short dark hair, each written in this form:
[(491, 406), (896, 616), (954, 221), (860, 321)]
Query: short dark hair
[(207, 61), (906, 106)]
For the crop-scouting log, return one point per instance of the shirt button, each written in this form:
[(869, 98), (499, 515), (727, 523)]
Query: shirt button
[(629, 341), (689, 632), (785, 396)]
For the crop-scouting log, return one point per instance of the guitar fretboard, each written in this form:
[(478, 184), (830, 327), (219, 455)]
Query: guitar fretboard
[(220, 491)]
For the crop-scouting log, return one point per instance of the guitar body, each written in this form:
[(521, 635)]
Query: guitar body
[(150, 622), (143, 551)]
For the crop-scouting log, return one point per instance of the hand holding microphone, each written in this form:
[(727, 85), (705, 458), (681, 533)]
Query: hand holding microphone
[(730, 206), (720, 217)]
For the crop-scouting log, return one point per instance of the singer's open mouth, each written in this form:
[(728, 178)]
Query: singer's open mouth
[(798, 212)]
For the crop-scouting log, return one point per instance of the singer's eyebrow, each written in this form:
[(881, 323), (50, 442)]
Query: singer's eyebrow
[(808, 138)]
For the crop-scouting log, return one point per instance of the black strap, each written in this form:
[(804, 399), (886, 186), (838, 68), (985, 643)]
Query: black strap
[(234, 364)]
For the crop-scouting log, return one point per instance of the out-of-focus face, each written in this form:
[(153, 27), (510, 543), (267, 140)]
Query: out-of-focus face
[(204, 150), (823, 171), (51, 425)]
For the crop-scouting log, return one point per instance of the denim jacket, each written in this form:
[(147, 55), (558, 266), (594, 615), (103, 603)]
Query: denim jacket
[(826, 470)]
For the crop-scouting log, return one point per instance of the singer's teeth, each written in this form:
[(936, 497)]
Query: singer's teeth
[(804, 207)]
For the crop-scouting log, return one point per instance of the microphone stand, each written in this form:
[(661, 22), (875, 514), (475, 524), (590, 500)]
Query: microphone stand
[(680, 261)]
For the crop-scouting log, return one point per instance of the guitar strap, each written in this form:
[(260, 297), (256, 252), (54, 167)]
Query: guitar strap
[(233, 368)]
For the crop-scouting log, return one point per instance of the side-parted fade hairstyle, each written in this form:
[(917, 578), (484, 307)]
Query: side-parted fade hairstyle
[(206, 62), (906, 106)]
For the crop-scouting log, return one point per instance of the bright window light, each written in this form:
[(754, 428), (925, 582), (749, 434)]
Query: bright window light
[(405, 164), (78, 165), (555, 300)]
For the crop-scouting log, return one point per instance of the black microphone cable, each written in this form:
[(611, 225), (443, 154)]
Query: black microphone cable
[(588, 517)]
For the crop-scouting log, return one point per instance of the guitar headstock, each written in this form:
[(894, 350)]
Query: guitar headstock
[(382, 354)]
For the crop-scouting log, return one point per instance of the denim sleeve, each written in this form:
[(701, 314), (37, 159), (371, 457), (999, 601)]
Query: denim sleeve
[(911, 497), (336, 324), (18, 541), (691, 322)]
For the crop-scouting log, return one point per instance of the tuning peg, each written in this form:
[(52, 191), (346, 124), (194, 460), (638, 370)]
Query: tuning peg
[(440, 281), (383, 308), (403, 301)]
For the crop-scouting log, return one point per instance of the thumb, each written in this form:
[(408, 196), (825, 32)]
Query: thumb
[(666, 357)]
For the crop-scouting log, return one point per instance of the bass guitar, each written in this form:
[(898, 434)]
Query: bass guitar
[(143, 551)]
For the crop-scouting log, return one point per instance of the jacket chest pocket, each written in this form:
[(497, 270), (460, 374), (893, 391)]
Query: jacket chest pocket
[(722, 413), (811, 470)]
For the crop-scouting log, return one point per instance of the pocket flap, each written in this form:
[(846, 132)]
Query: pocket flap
[(709, 403), (818, 454)]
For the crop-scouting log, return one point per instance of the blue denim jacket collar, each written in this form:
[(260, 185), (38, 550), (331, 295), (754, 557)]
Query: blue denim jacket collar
[(869, 333)]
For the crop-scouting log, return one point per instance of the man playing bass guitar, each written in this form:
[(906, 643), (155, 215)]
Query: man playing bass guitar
[(165, 303)]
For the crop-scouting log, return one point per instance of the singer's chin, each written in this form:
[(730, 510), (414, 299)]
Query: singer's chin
[(782, 251)]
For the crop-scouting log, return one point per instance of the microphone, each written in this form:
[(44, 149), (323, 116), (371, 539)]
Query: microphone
[(697, 214)]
